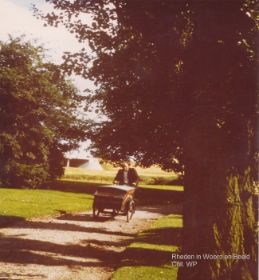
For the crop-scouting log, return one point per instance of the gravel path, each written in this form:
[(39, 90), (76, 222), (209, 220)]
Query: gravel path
[(70, 247)]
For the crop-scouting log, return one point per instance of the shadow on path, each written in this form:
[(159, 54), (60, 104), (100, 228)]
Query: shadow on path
[(79, 241), (25, 251), (6, 221), (8, 276), (52, 225)]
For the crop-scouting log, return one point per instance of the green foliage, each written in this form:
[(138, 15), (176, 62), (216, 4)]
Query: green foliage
[(170, 76), (37, 111), (19, 174), (177, 81)]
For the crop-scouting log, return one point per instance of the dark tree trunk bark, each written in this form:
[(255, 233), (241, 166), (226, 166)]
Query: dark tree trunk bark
[(219, 219)]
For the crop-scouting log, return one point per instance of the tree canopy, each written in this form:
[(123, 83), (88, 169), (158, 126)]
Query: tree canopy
[(38, 118), (177, 81), (162, 65)]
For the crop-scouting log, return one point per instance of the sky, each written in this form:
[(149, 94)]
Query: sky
[(16, 18)]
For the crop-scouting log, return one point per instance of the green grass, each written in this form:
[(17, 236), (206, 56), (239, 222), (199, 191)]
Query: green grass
[(27, 203), (151, 171), (149, 257), (145, 273), (151, 246), (90, 176), (148, 176), (163, 187)]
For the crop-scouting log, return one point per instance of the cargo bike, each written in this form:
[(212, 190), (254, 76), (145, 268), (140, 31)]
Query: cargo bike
[(114, 199)]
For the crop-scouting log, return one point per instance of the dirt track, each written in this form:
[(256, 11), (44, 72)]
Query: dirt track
[(70, 247)]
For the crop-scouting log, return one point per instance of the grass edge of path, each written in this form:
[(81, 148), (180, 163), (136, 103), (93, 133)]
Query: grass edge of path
[(149, 256)]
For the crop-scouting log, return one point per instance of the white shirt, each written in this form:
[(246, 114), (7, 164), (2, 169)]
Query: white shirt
[(125, 177)]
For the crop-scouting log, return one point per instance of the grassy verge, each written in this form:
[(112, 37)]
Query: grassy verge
[(25, 203), (149, 257)]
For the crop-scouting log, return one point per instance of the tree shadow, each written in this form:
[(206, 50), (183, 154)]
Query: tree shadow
[(27, 251), (8, 276), (107, 243), (145, 257), (83, 217), (150, 195), (105, 249), (150, 255), (104, 216), (168, 208), (15, 221), (100, 252), (72, 186), (68, 227), (154, 247), (107, 216), (6, 221), (161, 236)]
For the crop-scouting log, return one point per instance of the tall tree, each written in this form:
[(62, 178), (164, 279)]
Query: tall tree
[(38, 120), (177, 82)]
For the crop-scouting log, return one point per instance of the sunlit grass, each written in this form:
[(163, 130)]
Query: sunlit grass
[(27, 203), (151, 246), (170, 221), (149, 257), (163, 187), (83, 171), (152, 175), (152, 171), (145, 273)]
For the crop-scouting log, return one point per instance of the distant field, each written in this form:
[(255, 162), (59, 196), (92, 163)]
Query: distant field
[(164, 187), (153, 171), (77, 171), (149, 176)]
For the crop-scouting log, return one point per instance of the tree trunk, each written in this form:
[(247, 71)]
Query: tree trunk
[(219, 219)]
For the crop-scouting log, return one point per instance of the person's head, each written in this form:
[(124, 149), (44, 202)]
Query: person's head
[(131, 163), (125, 166)]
